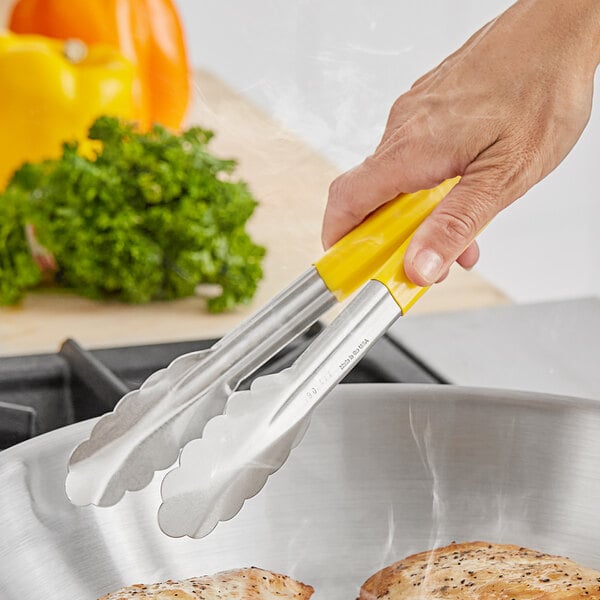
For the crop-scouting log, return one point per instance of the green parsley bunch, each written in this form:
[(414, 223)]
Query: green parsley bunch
[(149, 218)]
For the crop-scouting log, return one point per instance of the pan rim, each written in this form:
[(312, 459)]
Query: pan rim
[(406, 392)]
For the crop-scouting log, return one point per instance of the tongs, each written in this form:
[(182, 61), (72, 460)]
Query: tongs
[(240, 438)]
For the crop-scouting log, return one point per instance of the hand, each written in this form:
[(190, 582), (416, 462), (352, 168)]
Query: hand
[(502, 112)]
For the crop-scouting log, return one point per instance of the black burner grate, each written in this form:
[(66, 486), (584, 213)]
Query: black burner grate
[(43, 392)]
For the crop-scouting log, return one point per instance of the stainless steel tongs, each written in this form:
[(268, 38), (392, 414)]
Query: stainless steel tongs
[(239, 449)]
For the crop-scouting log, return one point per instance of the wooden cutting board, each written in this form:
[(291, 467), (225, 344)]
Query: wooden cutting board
[(289, 179)]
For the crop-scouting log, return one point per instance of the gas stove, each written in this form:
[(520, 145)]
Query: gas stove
[(550, 347), (43, 392)]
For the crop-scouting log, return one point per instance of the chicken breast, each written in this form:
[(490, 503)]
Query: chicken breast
[(241, 584), (482, 571)]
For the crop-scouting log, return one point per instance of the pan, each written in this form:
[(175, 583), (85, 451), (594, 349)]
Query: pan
[(384, 471)]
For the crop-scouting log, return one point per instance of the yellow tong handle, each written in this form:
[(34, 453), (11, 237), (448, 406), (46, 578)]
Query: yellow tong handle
[(375, 249)]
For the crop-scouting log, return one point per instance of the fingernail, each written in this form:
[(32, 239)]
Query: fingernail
[(428, 264)]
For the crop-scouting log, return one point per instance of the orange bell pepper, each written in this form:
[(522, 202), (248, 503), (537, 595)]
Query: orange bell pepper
[(148, 32)]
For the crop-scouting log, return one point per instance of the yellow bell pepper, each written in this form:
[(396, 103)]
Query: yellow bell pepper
[(51, 91)]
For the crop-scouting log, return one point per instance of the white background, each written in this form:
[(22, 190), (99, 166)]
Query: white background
[(330, 70)]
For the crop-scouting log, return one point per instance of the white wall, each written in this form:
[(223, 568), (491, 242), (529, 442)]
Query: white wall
[(330, 70)]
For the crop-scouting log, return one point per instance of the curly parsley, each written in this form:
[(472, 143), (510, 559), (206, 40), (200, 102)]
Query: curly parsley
[(150, 217)]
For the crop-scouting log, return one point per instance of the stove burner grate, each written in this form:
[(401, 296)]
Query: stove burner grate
[(44, 392)]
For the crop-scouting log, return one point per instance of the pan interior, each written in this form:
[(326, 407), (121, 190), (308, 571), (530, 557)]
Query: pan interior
[(384, 471)]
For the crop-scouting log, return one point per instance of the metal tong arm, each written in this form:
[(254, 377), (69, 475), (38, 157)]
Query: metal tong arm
[(337, 350), (388, 295), (241, 448), (259, 337)]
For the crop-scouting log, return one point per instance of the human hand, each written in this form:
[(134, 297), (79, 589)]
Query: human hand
[(502, 112)]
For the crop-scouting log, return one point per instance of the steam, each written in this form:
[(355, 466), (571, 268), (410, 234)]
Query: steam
[(331, 99), (395, 52), (493, 508), (423, 441)]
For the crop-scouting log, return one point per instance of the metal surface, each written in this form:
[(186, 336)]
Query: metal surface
[(239, 450), (384, 471), (149, 426), (551, 347)]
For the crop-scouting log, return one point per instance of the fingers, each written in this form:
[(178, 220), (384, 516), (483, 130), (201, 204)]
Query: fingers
[(448, 233), (468, 259)]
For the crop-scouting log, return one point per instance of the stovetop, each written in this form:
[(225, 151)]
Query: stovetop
[(548, 347), (43, 392)]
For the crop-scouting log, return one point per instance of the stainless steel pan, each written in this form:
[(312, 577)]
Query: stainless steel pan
[(385, 470)]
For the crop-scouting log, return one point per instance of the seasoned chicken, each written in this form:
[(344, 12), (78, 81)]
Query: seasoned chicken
[(241, 584), (482, 571)]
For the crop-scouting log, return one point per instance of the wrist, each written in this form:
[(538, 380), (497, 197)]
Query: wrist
[(575, 25)]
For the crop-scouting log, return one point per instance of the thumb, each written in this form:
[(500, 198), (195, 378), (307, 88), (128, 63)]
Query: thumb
[(456, 221)]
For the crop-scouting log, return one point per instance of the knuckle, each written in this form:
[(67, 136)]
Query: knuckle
[(342, 201), (336, 189), (459, 227), (400, 105)]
